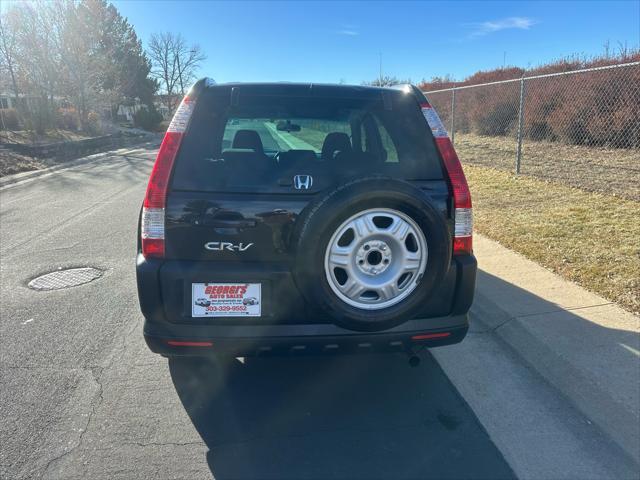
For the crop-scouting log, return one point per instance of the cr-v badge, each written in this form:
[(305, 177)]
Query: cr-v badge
[(302, 182), (217, 246)]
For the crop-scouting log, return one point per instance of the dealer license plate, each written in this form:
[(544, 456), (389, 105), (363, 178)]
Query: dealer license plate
[(226, 299)]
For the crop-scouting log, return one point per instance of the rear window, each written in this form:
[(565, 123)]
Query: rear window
[(260, 143)]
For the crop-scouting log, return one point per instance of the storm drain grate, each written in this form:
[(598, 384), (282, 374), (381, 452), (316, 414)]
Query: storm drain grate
[(65, 278)]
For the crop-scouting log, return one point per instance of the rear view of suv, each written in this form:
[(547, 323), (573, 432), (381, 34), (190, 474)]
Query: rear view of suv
[(304, 218)]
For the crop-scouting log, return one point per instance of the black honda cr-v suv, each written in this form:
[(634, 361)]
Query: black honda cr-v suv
[(304, 218)]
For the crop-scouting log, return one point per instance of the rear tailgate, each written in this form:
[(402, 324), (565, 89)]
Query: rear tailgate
[(227, 227), (252, 239), (234, 226)]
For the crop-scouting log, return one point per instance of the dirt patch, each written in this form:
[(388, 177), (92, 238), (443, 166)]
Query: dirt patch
[(587, 237), (613, 171), (32, 138), (11, 162)]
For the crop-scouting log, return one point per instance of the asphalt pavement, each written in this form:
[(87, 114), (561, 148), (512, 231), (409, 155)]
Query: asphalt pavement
[(82, 397)]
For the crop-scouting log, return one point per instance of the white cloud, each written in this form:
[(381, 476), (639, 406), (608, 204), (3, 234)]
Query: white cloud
[(485, 28), (348, 29)]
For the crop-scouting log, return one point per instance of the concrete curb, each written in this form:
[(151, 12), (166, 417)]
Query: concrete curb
[(32, 174), (594, 402)]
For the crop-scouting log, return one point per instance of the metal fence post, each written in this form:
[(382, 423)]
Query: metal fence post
[(453, 115), (520, 119)]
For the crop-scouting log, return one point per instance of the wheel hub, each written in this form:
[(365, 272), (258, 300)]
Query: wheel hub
[(376, 258), (373, 257)]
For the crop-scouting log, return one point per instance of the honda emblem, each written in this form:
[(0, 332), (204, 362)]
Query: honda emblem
[(302, 182)]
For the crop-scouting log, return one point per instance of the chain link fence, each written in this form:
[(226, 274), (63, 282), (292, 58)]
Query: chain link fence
[(581, 128)]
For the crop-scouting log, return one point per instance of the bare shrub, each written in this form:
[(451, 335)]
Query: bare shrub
[(9, 119), (67, 119)]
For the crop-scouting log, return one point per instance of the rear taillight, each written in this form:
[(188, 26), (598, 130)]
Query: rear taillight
[(463, 213), (152, 228), (428, 336)]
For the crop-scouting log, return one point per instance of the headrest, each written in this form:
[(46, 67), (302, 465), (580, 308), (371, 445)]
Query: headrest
[(335, 142), (248, 139)]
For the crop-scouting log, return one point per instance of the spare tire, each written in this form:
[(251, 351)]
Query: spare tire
[(370, 252)]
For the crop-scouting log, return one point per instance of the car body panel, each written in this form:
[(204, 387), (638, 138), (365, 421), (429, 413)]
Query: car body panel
[(234, 235)]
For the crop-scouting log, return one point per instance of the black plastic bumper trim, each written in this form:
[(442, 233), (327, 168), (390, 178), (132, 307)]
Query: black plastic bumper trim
[(257, 340)]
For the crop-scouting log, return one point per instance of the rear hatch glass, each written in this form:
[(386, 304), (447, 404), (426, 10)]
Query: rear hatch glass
[(242, 141)]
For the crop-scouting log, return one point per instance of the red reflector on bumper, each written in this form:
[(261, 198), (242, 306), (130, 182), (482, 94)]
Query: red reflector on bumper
[(463, 245), (426, 336), (176, 343)]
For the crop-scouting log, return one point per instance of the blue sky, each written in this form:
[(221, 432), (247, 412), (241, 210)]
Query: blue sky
[(327, 42)]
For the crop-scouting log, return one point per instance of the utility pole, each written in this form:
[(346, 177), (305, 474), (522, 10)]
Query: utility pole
[(380, 54), (180, 74)]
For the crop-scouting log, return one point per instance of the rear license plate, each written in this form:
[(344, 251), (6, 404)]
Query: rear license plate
[(226, 299)]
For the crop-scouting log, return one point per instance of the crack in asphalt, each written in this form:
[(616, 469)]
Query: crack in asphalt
[(75, 216), (96, 373), (165, 444), (87, 411), (213, 446), (47, 368)]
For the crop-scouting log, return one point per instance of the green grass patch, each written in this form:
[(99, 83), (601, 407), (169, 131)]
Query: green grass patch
[(587, 237), (311, 136)]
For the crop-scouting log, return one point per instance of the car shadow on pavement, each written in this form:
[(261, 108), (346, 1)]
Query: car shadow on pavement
[(364, 416)]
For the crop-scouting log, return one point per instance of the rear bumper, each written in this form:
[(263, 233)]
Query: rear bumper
[(176, 334), (254, 340)]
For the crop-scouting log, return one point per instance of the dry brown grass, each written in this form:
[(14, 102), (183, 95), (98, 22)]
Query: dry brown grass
[(612, 171), (590, 238), (33, 138), (12, 162)]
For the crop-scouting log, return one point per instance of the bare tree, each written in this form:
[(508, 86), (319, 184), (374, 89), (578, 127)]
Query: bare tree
[(71, 53), (188, 60), (81, 58), (8, 53), (37, 32), (386, 81), (164, 65), (175, 64)]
